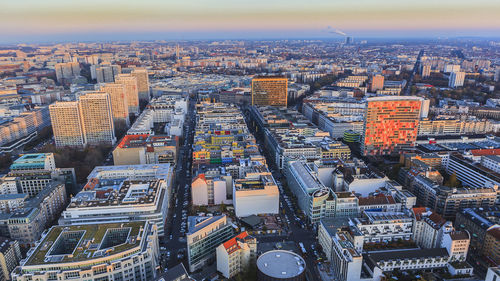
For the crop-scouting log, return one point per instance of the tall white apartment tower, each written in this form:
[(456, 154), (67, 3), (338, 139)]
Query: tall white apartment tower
[(119, 103), (456, 79), (67, 70), (97, 118), (141, 74), (131, 90), (67, 124), (426, 70)]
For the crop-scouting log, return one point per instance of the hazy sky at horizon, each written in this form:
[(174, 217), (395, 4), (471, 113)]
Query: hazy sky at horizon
[(233, 18)]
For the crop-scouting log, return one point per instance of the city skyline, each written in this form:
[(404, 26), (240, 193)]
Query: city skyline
[(331, 140), (57, 20)]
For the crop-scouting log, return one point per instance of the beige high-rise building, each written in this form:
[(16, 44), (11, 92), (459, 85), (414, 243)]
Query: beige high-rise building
[(119, 102), (67, 124), (67, 70), (377, 83), (131, 90), (105, 73), (97, 118), (141, 74), (426, 70)]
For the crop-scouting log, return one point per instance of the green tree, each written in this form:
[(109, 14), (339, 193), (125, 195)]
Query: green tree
[(5, 160), (453, 181)]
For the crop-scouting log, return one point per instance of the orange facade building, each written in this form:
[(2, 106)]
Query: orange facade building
[(270, 90), (391, 124)]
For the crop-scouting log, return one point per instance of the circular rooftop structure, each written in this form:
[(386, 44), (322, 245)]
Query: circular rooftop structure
[(321, 193), (280, 265)]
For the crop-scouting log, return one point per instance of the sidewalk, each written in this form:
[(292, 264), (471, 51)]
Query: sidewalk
[(324, 275)]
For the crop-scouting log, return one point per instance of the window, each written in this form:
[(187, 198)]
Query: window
[(72, 275)]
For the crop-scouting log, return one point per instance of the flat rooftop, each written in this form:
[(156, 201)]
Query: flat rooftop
[(116, 192), (30, 159), (281, 264), (128, 171), (407, 254), (64, 244), (196, 223), (304, 173)]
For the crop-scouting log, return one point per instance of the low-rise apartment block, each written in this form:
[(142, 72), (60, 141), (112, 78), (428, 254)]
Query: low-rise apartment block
[(236, 254)]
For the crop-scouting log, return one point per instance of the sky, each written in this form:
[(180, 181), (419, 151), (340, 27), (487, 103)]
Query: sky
[(45, 20)]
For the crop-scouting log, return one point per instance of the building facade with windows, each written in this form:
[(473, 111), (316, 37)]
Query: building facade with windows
[(236, 254), (204, 235), (391, 124), (270, 91)]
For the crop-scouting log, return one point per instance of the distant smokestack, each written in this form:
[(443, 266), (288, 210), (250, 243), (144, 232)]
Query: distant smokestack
[(335, 31)]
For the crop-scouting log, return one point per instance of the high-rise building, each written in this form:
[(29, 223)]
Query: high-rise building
[(105, 73), (456, 79), (141, 75), (269, 90), (67, 70), (496, 77), (377, 83), (119, 102), (67, 124), (426, 70), (391, 124), (131, 90), (97, 118), (450, 68)]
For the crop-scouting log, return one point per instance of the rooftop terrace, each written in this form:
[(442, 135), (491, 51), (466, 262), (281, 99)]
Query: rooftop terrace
[(63, 244)]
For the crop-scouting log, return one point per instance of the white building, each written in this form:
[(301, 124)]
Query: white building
[(385, 226), (67, 70), (418, 259), (236, 254), (131, 90), (429, 228), (256, 194), (493, 273), (343, 248), (456, 79), (210, 189), (8, 185), (491, 162), (122, 194), (457, 243), (119, 102), (450, 68)]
